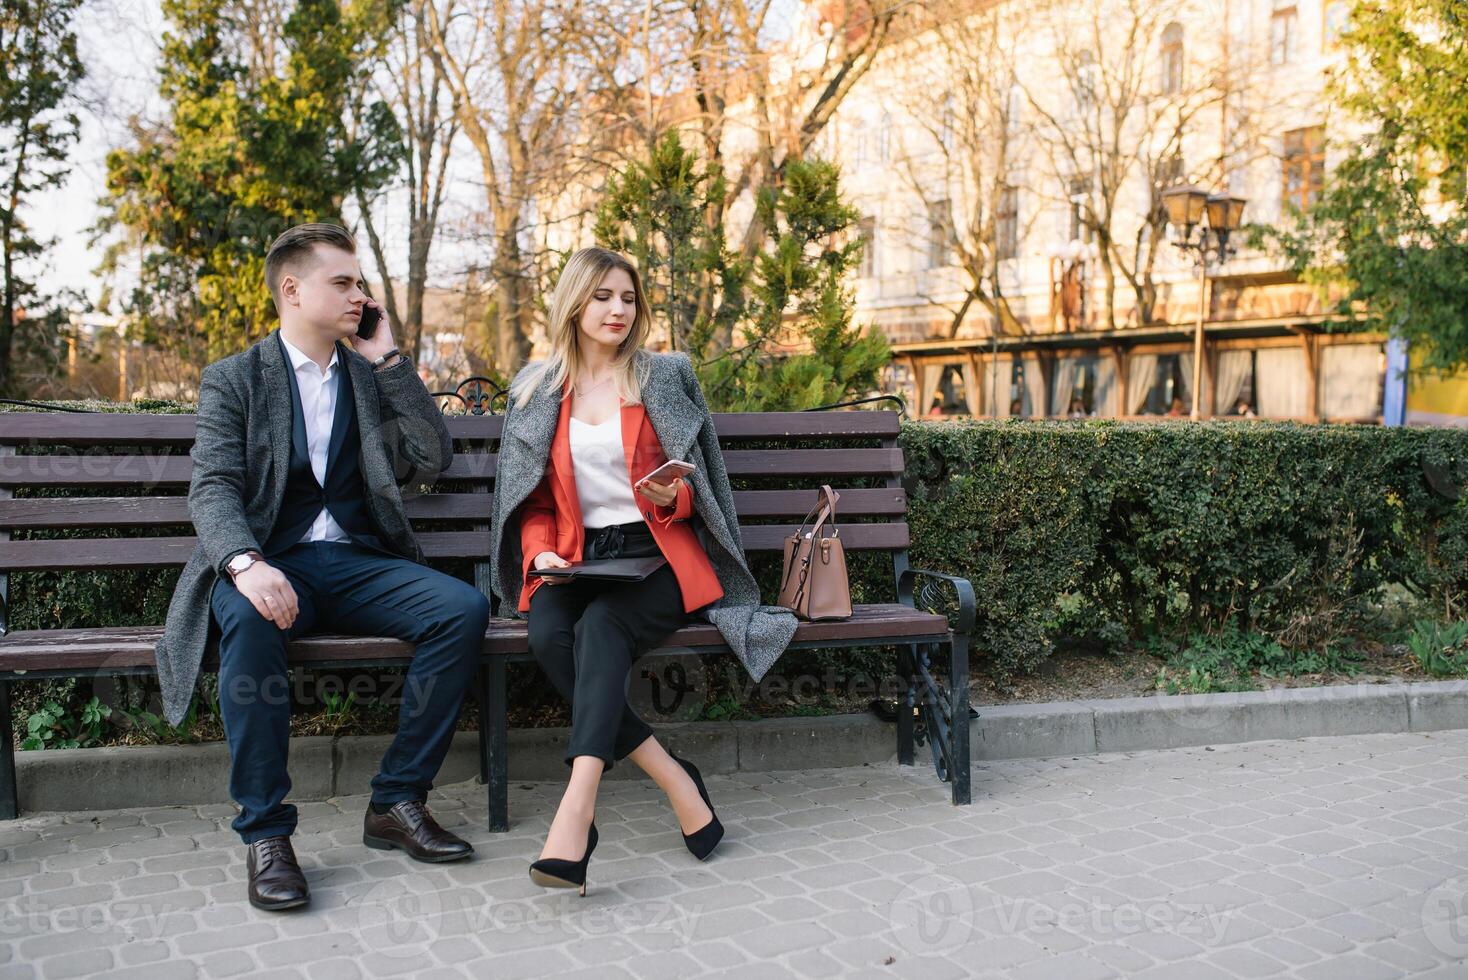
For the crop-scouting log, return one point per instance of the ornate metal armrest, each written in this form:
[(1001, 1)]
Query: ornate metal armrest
[(930, 594)]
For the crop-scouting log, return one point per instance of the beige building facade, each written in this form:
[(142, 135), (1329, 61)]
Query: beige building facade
[(1008, 161)]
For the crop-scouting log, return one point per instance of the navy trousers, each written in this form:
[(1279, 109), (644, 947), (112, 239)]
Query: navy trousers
[(343, 588)]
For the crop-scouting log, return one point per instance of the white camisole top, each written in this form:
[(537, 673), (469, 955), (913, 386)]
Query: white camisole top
[(600, 462)]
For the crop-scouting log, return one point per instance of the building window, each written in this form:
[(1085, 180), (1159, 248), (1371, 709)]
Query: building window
[(866, 231), (1006, 224), (1080, 195), (1085, 82), (1168, 388), (1337, 18), (1303, 167), (939, 221), (1014, 109), (1283, 27), (1170, 173), (1173, 170), (1172, 59), (1083, 385), (946, 132)]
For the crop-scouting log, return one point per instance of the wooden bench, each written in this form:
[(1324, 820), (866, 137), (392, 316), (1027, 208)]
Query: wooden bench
[(76, 454)]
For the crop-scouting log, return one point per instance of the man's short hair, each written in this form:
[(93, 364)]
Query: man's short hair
[(295, 251)]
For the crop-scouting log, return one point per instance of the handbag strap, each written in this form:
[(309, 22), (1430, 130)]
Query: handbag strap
[(826, 503)]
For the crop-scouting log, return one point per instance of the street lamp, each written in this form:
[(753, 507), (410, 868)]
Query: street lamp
[(1201, 224)]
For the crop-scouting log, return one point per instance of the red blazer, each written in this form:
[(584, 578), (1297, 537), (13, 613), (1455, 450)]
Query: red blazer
[(550, 518)]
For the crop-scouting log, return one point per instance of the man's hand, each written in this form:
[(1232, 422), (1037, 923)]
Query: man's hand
[(381, 341), (663, 496), (549, 559), (270, 592)]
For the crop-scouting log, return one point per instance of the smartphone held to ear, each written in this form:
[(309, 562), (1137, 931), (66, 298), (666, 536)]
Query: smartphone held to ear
[(671, 470), (367, 324)]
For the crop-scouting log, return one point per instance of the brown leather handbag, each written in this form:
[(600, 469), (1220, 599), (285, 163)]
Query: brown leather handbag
[(813, 583)]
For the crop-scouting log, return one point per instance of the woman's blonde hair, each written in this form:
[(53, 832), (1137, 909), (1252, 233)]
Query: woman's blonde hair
[(581, 277)]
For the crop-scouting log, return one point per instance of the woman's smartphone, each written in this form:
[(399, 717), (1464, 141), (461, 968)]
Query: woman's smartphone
[(367, 324), (671, 470)]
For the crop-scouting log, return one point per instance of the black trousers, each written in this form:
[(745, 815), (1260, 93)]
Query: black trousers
[(586, 634)]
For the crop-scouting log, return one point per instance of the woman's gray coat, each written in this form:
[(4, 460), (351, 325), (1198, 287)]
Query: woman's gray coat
[(675, 406)]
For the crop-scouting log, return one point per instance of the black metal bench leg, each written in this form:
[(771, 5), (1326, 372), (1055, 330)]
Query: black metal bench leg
[(906, 655), (9, 792), (480, 687), (960, 727), (494, 727)]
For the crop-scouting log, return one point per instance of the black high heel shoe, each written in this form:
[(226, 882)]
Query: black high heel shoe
[(561, 873), (702, 841)]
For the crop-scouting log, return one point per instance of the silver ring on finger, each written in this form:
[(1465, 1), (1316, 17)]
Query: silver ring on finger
[(269, 598)]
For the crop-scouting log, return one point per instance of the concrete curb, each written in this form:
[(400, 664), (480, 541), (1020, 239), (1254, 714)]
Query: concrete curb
[(322, 767)]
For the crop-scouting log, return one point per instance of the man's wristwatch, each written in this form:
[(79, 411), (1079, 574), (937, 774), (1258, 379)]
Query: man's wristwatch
[(242, 561)]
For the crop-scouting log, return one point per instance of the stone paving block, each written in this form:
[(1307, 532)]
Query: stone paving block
[(87, 962)]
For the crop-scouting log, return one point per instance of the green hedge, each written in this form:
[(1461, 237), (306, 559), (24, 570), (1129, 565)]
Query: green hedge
[(1092, 529), (1118, 530)]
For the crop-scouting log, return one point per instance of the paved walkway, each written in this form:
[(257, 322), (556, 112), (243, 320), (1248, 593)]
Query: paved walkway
[(1320, 858)]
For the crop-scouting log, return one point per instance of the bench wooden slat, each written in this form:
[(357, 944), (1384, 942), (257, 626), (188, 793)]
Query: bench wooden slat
[(163, 471), (140, 512), (105, 554), (126, 648), (883, 501), (142, 429), (813, 462), (154, 552), (175, 471), (854, 537)]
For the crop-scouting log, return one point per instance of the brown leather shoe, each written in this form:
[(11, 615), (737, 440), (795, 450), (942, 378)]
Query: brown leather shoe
[(409, 826), (276, 881)]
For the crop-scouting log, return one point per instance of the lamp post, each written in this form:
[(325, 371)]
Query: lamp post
[(1201, 224)]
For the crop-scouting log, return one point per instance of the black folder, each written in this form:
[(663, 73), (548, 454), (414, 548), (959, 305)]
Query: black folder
[(616, 569)]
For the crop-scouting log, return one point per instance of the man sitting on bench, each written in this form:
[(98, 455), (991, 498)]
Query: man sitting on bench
[(301, 528)]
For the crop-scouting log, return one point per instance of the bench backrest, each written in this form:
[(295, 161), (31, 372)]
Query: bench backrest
[(147, 457)]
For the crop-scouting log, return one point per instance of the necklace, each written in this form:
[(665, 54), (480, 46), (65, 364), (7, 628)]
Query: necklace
[(581, 392)]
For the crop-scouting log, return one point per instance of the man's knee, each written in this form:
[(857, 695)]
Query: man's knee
[(239, 619), (466, 608)]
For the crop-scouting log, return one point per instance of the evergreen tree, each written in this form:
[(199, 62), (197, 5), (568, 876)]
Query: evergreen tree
[(773, 334)]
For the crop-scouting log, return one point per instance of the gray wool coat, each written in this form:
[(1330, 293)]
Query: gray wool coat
[(241, 458), (675, 406)]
